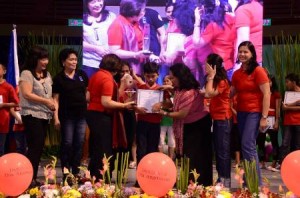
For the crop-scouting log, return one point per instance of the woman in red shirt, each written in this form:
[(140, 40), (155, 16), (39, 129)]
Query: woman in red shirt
[(102, 97), (218, 89), (251, 83)]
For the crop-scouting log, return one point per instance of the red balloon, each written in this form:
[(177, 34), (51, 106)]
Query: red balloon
[(290, 172), (156, 174), (15, 174)]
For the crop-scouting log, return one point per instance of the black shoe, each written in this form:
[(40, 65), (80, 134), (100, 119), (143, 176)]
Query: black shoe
[(35, 183), (136, 185)]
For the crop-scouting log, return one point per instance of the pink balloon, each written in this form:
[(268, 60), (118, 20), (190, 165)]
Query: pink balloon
[(290, 172), (156, 174), (15, 174)]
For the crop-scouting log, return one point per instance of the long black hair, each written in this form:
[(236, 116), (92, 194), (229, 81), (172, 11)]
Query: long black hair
[(294, 78), (36, 53), (274, 86), (252, 64), (185, 77), (86, 12), (216, 61)]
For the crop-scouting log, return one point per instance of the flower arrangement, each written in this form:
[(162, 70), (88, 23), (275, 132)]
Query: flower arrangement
[(90, 188)]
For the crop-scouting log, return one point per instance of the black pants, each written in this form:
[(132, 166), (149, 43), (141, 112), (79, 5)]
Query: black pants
[(100, 125), (147, 138), (261, 138), (35, 130), (197, 145), (130, 129)]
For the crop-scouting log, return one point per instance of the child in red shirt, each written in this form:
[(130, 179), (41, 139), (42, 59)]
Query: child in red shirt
[(148, 124), (8, 100), (291, 122), (218, 89)]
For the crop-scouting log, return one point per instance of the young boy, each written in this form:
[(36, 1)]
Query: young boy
[(148, 124), (8, 100)]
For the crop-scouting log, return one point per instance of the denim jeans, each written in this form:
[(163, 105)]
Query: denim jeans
[(147, 138), (290, 141), (2, 143), (248, 123), (72, 137), (221, 135), (89, 70)]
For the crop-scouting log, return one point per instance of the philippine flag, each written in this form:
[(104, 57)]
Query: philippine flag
[(13, 70)]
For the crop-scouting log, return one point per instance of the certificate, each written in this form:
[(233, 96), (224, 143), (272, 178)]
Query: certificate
[(271, 121), (147, 98), (175, 42), (291, 96)]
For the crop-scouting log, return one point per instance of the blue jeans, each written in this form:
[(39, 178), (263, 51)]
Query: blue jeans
[(221, 135), (89, 70), (72, 138), (248, 123), (290, 141), (147, 138), (2, 143)]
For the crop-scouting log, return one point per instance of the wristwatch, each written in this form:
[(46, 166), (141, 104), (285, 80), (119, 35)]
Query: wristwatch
[(264, 116)]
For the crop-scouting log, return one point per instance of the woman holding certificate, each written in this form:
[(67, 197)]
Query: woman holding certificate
[(291, 122), (191, 122), (102, 97)]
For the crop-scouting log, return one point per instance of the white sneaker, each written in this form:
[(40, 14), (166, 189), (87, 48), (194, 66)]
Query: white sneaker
[(275, 170), (132, 165)]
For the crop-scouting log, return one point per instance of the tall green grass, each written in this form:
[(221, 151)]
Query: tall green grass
[(283, 57)]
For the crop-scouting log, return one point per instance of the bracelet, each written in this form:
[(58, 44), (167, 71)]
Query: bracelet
[(264, 116), (209, 78), (195, 25)]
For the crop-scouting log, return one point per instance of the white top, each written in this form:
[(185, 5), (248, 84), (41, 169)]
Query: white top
[(96, 34), (44, 90)]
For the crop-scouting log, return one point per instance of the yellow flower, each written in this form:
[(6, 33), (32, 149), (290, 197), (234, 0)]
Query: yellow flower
[(226, 194), (134, 196), (145, 195), (72, 193), (171, 193), (34, 191), (2, 195), (289, 194), (100, 191)]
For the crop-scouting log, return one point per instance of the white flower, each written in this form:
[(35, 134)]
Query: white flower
[(24, 196)]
